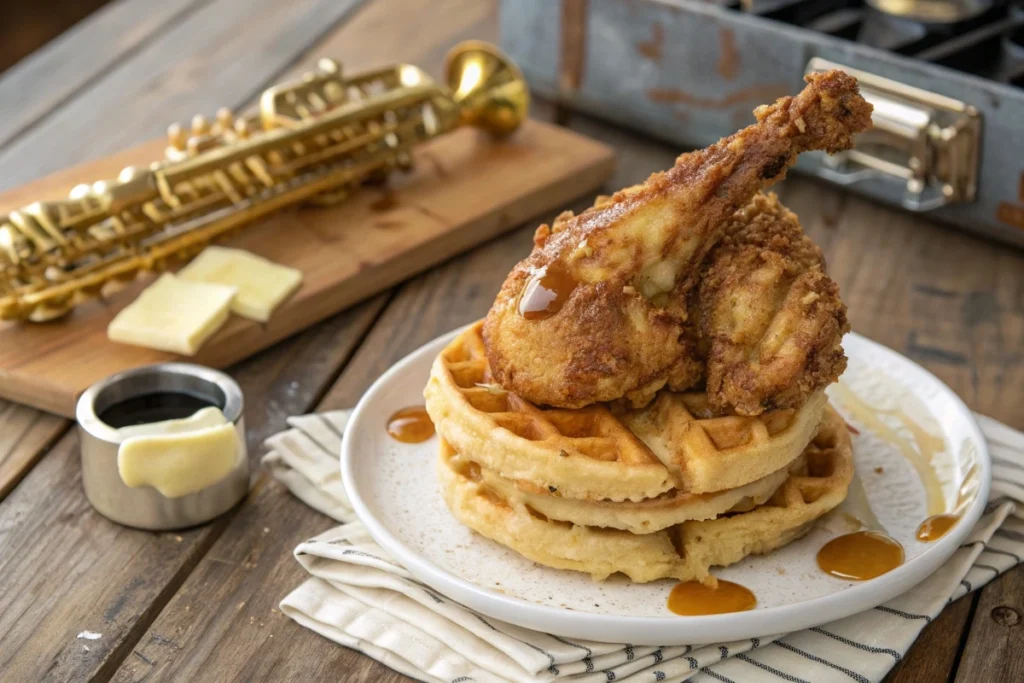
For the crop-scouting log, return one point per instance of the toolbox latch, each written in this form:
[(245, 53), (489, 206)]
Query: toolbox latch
[(927, 141)]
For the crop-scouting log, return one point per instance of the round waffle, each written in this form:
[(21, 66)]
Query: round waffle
[(686, 551), (707, 453), (593, 454), (641, 517)]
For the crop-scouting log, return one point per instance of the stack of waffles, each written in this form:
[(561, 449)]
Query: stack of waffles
[(667, 491)]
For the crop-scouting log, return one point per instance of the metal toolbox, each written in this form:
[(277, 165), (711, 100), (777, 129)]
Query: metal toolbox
[(946, 78)]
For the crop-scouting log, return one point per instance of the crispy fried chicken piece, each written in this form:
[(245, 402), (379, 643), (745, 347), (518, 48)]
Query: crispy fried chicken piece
[(606, 289), (770, 319)]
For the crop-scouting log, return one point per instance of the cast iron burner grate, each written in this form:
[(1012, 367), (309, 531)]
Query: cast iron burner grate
[(980, 37)]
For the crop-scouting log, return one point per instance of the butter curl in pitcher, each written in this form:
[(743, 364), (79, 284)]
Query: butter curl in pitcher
[(179, 457)]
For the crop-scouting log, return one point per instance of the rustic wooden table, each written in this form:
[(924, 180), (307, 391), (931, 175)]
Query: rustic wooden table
[(201, 604)]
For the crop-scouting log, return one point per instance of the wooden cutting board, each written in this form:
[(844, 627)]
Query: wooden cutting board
[(464, 189)]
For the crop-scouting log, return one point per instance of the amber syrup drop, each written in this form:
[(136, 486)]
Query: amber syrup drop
[(693, 598), (860, 556), (411, 425), (936, 526), (546, 292)]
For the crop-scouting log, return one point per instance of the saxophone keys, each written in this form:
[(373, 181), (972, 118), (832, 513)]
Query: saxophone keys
[(200, 143), (176, 137), (79, 191), (88, 291), (225, 119), (200, 126), (50, 308), (326, 65), (334, 92)]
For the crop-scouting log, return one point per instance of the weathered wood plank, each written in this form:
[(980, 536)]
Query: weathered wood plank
[(25, 434), (996, 640), (67, 570), (419, 32), (934, 654), (222, 54), (28, 27), (35, 86)]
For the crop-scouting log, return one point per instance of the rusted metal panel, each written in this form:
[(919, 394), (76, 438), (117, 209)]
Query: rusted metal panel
[(691, 72)]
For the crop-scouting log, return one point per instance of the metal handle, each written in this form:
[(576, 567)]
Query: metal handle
[(927, 141)]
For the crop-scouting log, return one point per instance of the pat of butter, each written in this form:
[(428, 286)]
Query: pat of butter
[(201, 419), (173, 315), (177, 462), (262, 285)]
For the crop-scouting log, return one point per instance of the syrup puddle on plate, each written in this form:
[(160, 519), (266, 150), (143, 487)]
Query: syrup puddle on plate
[(860, 556), (411, 425), (693, 598), (936, 526)]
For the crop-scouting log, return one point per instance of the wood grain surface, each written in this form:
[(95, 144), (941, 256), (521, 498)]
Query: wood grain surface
[(204, 608), (465, 188), (219, 54), (996, 639), (35, 86), (25, 434)]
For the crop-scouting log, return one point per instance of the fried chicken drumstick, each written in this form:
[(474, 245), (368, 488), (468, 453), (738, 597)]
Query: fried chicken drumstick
[(770, 319), (598, 311)]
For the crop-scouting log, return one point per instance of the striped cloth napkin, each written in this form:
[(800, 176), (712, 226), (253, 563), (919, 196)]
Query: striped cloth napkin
[(361, 598)]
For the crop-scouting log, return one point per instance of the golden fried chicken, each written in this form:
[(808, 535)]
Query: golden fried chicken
[(597, 311), (769, 318)]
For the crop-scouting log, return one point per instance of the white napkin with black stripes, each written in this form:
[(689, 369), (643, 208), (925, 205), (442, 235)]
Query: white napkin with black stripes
[(361, 598)]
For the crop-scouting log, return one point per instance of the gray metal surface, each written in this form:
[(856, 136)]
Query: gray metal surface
[(690, 72)]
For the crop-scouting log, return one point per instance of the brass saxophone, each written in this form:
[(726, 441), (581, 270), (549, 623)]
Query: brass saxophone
[(315, 139)]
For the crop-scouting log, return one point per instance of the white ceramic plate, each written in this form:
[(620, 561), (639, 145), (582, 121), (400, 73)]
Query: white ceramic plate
[(394, 491)]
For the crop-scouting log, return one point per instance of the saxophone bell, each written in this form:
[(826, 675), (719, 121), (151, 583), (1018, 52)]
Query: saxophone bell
[(487, 86)]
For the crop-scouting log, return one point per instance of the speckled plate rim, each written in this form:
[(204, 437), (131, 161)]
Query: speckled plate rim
[(666, 630)]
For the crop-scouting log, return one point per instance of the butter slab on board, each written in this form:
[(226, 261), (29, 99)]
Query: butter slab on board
[(173, 315), (262, 284)]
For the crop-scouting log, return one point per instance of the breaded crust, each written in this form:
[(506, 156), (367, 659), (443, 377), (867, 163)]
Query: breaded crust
[(634, 259)]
